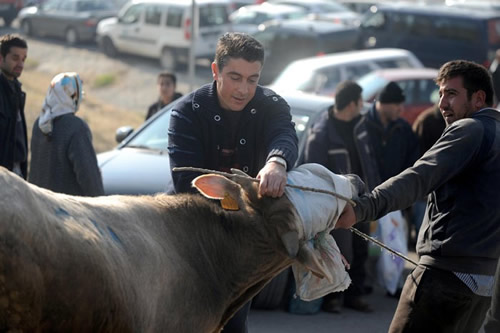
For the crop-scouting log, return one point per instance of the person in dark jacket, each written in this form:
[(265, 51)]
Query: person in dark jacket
[(13, 135), (234, 123), (459, 242), (62, 156), (340, 142), (395, 144), (167, 83)]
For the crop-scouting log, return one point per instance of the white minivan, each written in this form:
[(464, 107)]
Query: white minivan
[(161, 29)]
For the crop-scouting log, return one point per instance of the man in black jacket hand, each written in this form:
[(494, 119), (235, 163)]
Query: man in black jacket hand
[(459, 241), (13, 135)]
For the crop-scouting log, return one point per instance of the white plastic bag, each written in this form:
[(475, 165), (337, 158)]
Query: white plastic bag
[(392, 232)]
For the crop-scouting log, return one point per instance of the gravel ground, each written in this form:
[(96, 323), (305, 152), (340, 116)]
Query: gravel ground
[(134, 87)]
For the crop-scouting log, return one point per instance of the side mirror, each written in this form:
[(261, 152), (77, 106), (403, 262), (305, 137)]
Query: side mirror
[(122, 133)]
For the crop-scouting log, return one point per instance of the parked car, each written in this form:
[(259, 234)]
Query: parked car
[(161, 29), (290, 40), (320, 75), (73, 20), (417, 83), (140, 163), (9, 10), (325, 10), (248, 18), (434, 33)]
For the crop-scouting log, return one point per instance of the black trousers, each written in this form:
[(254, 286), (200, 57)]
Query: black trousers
[(435, 300), (239, 322), (493, 316)]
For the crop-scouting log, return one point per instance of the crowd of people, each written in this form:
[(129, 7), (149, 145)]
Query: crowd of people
[(445, 171)]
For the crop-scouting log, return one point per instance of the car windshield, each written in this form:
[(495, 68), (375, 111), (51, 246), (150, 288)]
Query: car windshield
[(152, 136), (294, 78), (371, 84)]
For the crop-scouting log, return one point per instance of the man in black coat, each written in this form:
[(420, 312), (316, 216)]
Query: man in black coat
[(234, 123), (13, 135)]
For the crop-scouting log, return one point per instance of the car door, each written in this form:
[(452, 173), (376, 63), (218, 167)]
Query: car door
[(128, 28), (63, 16), (148, 33), (42, 22)]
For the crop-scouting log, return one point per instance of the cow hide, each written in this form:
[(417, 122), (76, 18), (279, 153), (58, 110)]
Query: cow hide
[(138, 263)]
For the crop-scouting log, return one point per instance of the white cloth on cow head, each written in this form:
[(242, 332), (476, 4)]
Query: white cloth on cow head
[(319, 213), (64, 96)]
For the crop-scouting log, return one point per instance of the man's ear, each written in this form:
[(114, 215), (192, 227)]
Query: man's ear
[(215, 71), (479, 99)]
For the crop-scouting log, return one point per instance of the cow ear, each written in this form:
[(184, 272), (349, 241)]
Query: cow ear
[(220, 188)]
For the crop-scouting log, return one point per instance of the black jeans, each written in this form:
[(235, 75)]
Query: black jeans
[(435, 300), (493, 317)]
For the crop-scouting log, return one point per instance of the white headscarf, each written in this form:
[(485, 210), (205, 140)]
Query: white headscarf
[(63, 97)]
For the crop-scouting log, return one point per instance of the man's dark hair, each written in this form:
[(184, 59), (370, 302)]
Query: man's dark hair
[(475, 77), (11, 40), (238, 45), (168, 75), (347, 92)]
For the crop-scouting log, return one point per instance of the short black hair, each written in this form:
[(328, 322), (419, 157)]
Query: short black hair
[(238, 45), (475, 77), (168, 75), (347, 92), (11, 40)]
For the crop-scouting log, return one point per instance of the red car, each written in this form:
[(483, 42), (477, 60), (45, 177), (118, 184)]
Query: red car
[(418, 84)]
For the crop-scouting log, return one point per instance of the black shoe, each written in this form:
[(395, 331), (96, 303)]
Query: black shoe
[(358, 304), (333, 305)]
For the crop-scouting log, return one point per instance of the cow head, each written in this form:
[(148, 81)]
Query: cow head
[(241, 191)]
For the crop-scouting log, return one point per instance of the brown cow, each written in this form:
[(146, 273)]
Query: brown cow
[(139, 264)]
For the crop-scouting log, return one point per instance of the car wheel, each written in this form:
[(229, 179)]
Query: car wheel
[(8, 21), (71, 36), (108, 48), (26, 28), (168, 59)]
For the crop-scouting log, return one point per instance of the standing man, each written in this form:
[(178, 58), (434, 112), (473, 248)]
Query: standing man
[(234, 123), (13, 135), (340, 142), (167, 83), (459, 242), (395, 144)]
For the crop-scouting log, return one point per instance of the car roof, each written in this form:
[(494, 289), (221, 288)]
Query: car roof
[(272, 8), (179, 2), (437, 10), (305, 24), (306, 101), (397, 74), (350, 56)]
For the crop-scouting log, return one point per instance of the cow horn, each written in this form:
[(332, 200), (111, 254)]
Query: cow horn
[(239, 172), (290, 240), (308, 257)]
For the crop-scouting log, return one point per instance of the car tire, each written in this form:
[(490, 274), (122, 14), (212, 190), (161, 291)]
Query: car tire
[(26, 28), (71, 36), (168, 58), (7, 21), (108, 48)]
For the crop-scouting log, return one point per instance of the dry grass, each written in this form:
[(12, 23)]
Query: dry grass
[(103, 119)]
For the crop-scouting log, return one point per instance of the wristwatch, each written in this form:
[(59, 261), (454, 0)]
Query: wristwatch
[(278, 159)]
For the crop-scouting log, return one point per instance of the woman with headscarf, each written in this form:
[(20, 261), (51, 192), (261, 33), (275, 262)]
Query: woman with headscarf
[(62, 156)]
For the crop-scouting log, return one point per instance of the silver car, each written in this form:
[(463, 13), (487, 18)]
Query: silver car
[(140, 163), (73, 20)]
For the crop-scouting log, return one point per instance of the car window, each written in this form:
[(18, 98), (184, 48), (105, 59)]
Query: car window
[(51, 5), (213, 15), (371, 84), (132, 14), (377, 21), (394, 63), (92, 5), (356, 71), (174, 17), (152, 15), (154, 135), (69, 6)]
